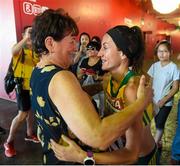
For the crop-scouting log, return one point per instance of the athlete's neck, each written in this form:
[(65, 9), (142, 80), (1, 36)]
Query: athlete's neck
[(118, 76)]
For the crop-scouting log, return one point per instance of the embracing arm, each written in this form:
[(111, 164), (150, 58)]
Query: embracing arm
[(125, 155), (129, 153), (76, 109)]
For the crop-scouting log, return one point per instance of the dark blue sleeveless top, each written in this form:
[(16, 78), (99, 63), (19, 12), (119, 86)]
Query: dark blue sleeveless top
[(50, 124)]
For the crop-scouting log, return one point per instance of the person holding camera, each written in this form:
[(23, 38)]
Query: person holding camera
[(25, 59), (84, 39)]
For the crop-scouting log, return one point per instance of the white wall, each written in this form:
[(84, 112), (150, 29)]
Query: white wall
[(7, 39)]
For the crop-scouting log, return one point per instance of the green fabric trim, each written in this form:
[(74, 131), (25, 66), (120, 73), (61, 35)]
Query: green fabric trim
[(123, 82), (147, 116), (144, 120)]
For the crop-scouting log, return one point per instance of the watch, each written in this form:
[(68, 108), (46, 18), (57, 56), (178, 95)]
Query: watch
[(89, 160)]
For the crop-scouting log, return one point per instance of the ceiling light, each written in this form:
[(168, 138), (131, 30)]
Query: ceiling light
[(165, 6)]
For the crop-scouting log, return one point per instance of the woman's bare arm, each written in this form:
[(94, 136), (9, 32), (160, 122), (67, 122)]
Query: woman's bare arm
[(81, 117)]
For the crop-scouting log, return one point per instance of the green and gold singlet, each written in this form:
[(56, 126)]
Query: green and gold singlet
[(115, 102)]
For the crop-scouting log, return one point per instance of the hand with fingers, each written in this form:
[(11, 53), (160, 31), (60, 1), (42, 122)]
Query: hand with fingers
[(145, 91), (28, 33), (62, 152)]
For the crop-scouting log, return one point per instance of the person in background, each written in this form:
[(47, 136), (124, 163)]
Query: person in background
[(84, 39), (91, 65), (2, 131), (26, 59), (165, 81), (91, 73), (96, 39), (121, 47), (175, 150), (61, 106)]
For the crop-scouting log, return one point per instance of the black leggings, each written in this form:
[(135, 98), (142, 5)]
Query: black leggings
[(161, 117)]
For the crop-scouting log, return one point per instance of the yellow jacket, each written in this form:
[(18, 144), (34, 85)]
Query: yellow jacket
[(24, 69)]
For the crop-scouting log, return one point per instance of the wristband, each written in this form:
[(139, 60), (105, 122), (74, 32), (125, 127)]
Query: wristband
[(89, 160)]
